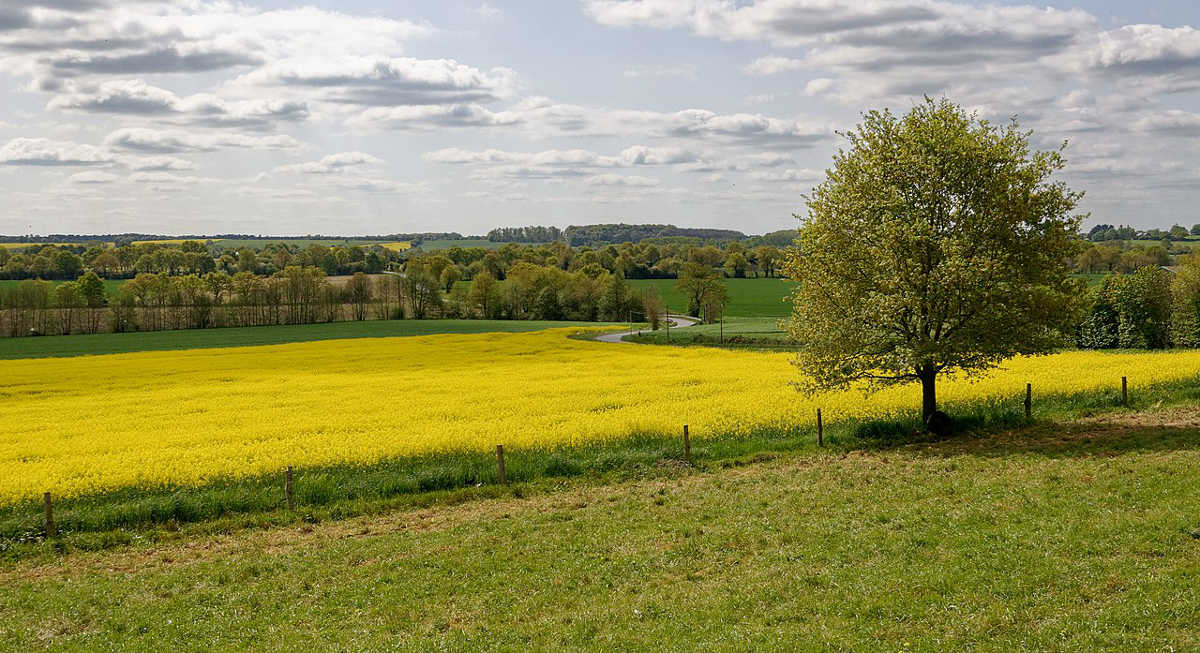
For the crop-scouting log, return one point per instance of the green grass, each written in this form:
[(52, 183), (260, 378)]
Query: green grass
[(747, 297), (118, 343), (1093, 279), (232, 244), (751, 332), (434, 245), (1080, 537)]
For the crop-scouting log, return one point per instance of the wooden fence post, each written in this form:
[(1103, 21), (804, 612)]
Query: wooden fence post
[(287, 488), (687, 446), (500, 463), (51, 531), (820, 430), (1028, 400), (1124, 392)]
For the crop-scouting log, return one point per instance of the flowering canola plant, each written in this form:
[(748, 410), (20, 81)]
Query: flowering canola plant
[(86, 425)]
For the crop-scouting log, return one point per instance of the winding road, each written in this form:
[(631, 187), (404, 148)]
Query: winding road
[(677, 322)]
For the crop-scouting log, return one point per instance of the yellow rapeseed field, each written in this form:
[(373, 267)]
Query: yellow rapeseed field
[(397, 246), (89, 424)]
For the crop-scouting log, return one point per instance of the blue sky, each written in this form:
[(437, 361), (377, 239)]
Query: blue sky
[(357, 117)]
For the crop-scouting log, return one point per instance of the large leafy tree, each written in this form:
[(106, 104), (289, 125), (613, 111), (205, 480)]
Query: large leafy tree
[(937, 244)]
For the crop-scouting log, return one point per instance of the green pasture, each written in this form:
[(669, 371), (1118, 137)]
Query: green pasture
[(747, 297), (435, 245)]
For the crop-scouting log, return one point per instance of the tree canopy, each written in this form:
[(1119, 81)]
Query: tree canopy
[(938, 243)]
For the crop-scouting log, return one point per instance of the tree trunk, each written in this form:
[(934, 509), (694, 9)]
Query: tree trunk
[(928, 376)]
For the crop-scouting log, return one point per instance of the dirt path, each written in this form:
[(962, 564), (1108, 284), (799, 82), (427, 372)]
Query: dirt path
[(678, 322)]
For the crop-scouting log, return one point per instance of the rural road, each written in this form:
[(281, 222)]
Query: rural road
[(679, 322)]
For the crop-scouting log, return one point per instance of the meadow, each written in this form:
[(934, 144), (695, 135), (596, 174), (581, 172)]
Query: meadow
[(435, 245), (257, 244), (747, 297), (749, 332), (79, 426)]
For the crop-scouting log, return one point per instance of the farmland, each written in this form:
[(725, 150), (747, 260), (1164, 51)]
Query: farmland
[(435, 245), (258, 244), (118, 343), (1073, 537), (74, 424), (747, 297)]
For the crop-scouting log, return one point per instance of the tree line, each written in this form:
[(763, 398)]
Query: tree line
[(1152, 308), (305, 295)]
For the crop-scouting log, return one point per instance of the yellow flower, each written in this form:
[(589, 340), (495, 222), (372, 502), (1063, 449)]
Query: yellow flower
[(83, 425)]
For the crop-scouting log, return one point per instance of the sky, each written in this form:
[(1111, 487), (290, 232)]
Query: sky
[(371, 117)]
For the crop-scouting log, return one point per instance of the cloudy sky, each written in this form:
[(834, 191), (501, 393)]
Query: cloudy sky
[(371, 117)]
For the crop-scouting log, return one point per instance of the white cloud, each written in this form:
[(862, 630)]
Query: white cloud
[(642, 155), (334, 163), (688, 71), (378, 185), (622, 180), (44, 152), (487, 12), (165, 141), (375, 81), (156, 163), (796, 175), (137, 98), (773, 65), (92, 177), (168, 178)]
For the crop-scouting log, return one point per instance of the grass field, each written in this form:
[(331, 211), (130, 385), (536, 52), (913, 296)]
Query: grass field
[(176, 241), (119, 343), (254, 244), (752, 332), (747, 297), (434, 245), (1076, 537), (23, 245)]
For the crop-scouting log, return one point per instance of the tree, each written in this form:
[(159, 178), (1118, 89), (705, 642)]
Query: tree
[(68, 298), (616, 302), (106, 263), (713, 302), (736, 264), (485, 294), (450, 276), (936, 244), (92, 290), (1185, 298), (696, 279), (653, 307), (68, 264), (359, 289)]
